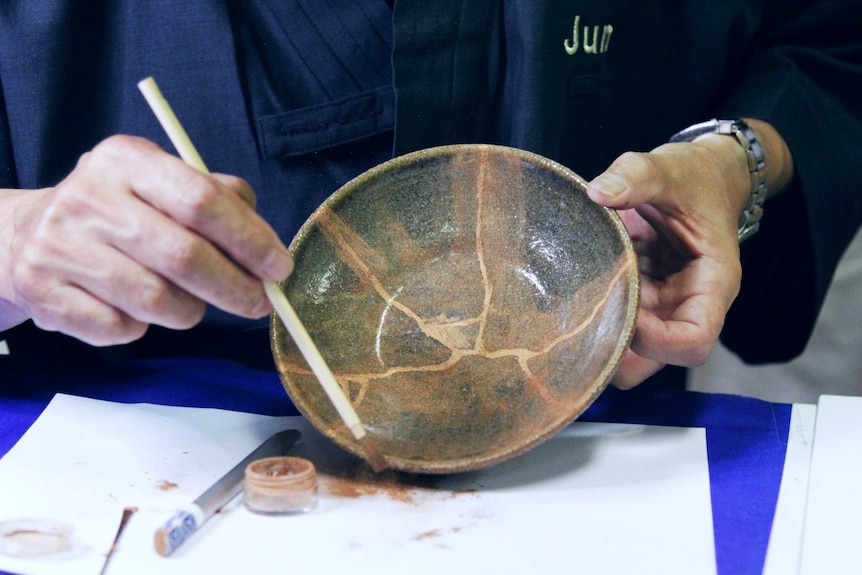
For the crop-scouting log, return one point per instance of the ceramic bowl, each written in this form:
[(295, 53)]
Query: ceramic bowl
[(470, 300)]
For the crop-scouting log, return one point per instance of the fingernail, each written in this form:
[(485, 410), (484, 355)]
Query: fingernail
[(609, 184), (278, 265)]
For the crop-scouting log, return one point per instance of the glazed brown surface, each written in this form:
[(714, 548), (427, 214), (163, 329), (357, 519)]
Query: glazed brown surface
[(471, 300)]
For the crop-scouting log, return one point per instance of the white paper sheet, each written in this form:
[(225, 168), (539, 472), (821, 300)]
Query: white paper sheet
[(596, 498), (785, 540), (830, 542)]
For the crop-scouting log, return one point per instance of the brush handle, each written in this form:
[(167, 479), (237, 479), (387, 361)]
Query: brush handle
[(171, 125), (177, 529), (187, 151), (180, 527)]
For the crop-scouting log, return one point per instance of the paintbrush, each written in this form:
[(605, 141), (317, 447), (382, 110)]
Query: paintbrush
[(188, 520), (279, 301)]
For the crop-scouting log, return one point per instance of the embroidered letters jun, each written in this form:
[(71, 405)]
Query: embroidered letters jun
[(596, 42)]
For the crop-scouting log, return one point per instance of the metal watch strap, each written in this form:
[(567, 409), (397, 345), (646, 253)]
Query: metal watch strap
[(749, 221)]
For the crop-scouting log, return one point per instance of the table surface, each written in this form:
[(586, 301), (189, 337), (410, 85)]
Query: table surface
[(746, 438)]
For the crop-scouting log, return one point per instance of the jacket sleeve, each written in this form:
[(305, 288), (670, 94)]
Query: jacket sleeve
[(7, 159), (803, 76)]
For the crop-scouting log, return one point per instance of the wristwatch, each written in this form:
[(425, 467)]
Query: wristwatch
[(749, 221)]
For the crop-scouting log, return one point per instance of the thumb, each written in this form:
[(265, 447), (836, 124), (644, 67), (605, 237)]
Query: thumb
[(632, 180)]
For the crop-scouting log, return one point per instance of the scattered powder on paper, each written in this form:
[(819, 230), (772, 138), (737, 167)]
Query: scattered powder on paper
[(358, 481), (361, 481), (165, 485), (354, 486), (435, 533)]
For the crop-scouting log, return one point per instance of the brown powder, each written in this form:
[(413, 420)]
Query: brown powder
[(369, 484), (360, 481), (165, 485), (434, 533), (348, 489)]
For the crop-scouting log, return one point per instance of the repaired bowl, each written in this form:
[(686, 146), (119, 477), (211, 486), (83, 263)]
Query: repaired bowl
[(471, 300)]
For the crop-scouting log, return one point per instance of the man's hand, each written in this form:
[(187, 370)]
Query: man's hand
[(681, 205), (132, 237)]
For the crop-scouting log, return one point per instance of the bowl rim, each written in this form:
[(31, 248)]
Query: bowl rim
[(278, 332)]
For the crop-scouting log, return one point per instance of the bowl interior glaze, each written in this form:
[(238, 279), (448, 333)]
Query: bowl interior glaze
[(470, 299)]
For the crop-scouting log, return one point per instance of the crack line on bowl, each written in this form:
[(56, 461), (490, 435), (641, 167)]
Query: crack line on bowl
[(522, 355), (480, 248), (367, 262), (342, 238)]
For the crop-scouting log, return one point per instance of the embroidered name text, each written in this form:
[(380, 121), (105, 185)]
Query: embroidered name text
[(595, 43)]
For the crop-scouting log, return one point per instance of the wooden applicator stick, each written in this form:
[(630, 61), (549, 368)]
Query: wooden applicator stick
[(279, 301)]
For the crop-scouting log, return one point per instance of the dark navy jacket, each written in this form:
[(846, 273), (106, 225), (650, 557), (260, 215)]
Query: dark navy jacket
[(299, 96)]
